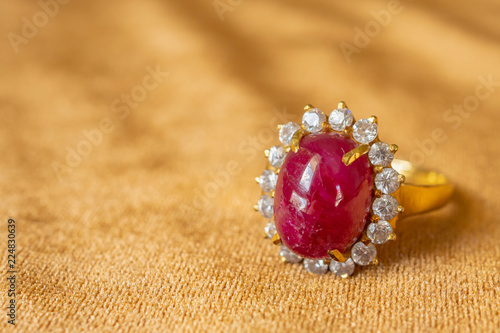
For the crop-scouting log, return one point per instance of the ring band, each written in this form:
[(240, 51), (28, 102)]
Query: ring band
[(423, 190), (332, 191)]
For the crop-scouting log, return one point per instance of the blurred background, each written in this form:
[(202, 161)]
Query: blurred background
[(132, 132)]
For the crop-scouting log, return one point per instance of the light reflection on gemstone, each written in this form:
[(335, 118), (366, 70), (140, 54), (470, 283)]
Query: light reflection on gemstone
[(339, 197), (299, 202), (308, 174)]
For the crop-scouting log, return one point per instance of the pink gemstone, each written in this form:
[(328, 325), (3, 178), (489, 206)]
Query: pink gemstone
[(320, 204)]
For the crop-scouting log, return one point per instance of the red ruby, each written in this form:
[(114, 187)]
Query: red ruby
[(320, 204)]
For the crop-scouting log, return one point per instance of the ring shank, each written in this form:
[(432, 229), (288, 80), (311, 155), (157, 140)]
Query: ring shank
[(423, 190)]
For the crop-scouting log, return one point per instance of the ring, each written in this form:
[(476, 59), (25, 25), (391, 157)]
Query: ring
[(332, 191)]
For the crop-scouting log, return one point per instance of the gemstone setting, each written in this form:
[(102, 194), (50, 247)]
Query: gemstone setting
[(322, 186), (313, 120), (320, 203), (266, 204), (363, 254), (387, 181), (267, 181), (277, 155), (342, 269), (287, 131), (385, 207), (364, 131), (340, 118), (315, 266), (380, 154), (380, 232), (270, 229), (289, 256)]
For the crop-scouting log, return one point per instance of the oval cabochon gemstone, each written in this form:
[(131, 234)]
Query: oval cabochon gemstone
[(320, 204)]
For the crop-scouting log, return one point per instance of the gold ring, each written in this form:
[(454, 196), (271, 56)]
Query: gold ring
[(332, 191)]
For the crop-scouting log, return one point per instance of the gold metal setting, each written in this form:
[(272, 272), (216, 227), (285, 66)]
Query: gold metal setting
[(295, 142), (354, 154), (337, 256), (276, 239)]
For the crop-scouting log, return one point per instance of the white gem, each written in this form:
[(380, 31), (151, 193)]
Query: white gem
[(362, 254), (287, 132), (387, 181), (340, 118), (313, 120), (380, 154), (343, 269), (364, 131), (315, 266), (289, 256), (385, 207), (270, 229), (266, 206), (268, 180), (379, 232), (277, 156)]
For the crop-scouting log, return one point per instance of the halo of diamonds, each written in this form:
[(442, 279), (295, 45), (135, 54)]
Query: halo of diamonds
[(386, 181)]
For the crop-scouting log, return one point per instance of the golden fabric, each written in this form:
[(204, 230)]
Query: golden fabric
[(135, 213)]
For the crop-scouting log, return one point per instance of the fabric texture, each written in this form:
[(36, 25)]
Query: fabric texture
[(132, 132)]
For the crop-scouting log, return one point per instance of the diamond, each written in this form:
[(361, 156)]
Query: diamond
[(364, 131), (380, 154), (277, 155), (379, 233), (266, 206), (385, 207), (287, 131), (270, 229), (313, 120), (289, 256), (343, 269), (362, 254), (387, 181), (315, 266), (340, 118), (268, 180)]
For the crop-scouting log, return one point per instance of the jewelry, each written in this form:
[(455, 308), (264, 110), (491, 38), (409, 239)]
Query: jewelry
[(333, 191)]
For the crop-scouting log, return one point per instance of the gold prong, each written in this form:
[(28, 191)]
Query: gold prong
[(364, 238), (354, 154), (337, 256), (342, 105), (257, 180), (401, 178), (378, 168), (279, 126), (256, 207), (373, 119), (266, 153), (271, 194), (276, 239), (287, 149), (375, 218), (345, 276), (374, 261), (392, 237), (393, 148), (295, 141), (308, 107), (378, 193), (401, 209), (277, 170)]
